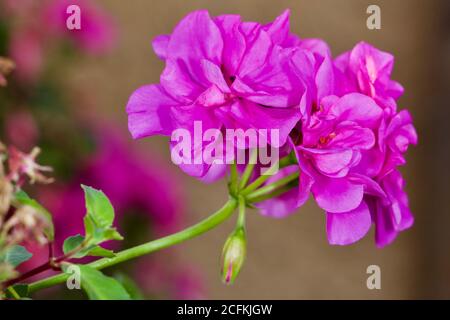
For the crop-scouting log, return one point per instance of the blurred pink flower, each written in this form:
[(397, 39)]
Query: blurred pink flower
[(26, 49), (43, 24), (18, 6), (97, 33), (21, 130)]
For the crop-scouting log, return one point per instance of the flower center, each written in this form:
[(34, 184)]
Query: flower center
[(325, 140)]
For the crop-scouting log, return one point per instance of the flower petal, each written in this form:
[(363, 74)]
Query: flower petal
[(347, 228), (160, 44), (234, 42), (149, 112), (337, 195), (334, 163), (178, 82), (278, 30), (195, 38), (358, 108), (267, 78)]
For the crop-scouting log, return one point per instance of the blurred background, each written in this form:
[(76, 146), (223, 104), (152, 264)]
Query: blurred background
[(68, 96)]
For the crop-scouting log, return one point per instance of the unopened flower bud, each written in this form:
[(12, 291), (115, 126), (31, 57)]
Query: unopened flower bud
[(233, 255)]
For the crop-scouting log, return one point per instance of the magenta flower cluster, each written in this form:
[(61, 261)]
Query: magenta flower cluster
[(339, 115)]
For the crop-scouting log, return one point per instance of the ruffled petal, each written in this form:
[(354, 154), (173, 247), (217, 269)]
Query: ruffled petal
[(195, 38), (278, 30), (334, 164), (358, 108), (160, 44), (149, 112), (337, 195), (234, 42), (350, 135), (178, 82), (214, 75), (392, 215), (349, 227), (265, 75)]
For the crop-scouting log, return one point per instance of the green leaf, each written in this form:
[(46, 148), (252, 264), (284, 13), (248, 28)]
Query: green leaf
[(100, 287), (71, 243), (23, 199), (99, 218), (89, 226), (98, 251), (98, 207), (129, 285), (15, 255), (112, 234), (89, 249)]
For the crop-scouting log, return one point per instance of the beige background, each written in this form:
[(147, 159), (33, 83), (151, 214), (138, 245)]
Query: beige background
[(290, 258)]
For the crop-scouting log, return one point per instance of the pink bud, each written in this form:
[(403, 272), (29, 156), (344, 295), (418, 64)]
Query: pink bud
[(233, 255)]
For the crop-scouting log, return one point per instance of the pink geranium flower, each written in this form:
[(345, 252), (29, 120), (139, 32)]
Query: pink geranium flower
[(339, 116), (223, 72), (368, 70)]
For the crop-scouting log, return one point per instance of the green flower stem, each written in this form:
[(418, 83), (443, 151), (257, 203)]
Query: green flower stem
[(270, 195), (272, 187), (249, 168), (284, 162), (234, 178), (259, 181), (207, 224), (241, 217)]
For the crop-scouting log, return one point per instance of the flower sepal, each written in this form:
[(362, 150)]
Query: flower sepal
[(233, 255)]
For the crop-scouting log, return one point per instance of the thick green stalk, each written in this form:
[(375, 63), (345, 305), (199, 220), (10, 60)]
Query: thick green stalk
[(207, 224)]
